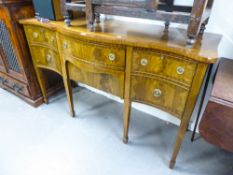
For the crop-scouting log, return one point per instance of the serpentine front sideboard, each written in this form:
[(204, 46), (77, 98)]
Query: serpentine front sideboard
[(134, 61)]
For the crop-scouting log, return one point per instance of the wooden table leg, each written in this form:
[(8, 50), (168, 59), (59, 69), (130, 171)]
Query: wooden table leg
[(127, 102), (206, 82), (127, 113), (42, 84), (199, 7), (179, 140), (191, 101), (68, 89), (90, 14)]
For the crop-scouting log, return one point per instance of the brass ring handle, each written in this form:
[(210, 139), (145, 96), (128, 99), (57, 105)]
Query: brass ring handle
[(49, 58), (157, 93), (144, 61), (65, 45), (35, 35), (112, 57), (52, 39), (180, 70)]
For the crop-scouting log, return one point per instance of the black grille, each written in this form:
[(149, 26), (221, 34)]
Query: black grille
[(11, 58)]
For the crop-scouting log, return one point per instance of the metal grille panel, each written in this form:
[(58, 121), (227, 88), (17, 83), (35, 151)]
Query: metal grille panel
[(11, 58)]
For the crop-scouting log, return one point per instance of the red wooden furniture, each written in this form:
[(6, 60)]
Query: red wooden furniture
[(216, 125)]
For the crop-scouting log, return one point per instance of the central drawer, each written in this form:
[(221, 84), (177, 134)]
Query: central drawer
[(160, 93), (45, 57), (111, 56), (108, 81), (162, 64)]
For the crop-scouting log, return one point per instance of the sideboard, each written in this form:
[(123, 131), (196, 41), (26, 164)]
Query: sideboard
[(136, 62)]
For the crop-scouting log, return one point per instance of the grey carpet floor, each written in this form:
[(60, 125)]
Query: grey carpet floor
[(47, 141)]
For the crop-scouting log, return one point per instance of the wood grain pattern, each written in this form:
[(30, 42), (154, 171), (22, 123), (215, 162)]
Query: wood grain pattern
[(41, 36), (94, 53), (172, 99), (46, 58), (98, 78), (147, 36)]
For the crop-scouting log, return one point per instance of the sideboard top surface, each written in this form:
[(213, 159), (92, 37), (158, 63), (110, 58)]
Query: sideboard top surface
[(141, 35)]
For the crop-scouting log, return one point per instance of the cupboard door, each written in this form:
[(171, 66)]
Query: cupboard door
[(8, 54)]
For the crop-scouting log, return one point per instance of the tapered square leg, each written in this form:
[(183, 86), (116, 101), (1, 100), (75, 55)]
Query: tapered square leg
[(127, 113), (42, 84), (179, 140), (68, 89)]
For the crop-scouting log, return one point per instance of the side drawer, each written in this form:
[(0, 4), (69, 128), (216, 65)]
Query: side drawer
[(160, 93), (41, 35), (169, 66), (46, 58), (112, 56)]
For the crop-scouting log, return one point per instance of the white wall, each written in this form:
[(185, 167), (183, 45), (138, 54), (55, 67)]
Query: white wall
[(221, 22)]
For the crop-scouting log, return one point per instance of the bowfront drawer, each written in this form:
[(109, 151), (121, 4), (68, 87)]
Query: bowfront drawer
[(164, 65), (45, 57), (103, 55), (40, 35), (160, 93)]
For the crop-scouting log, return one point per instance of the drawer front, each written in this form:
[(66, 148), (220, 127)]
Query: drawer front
[(171, 67), (102, 55), (160, 93), (14, 85), (40, 35), (110, 82), (45, 57)]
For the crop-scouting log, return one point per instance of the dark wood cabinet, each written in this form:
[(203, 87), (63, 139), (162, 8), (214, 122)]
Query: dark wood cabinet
[(17, 74)]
